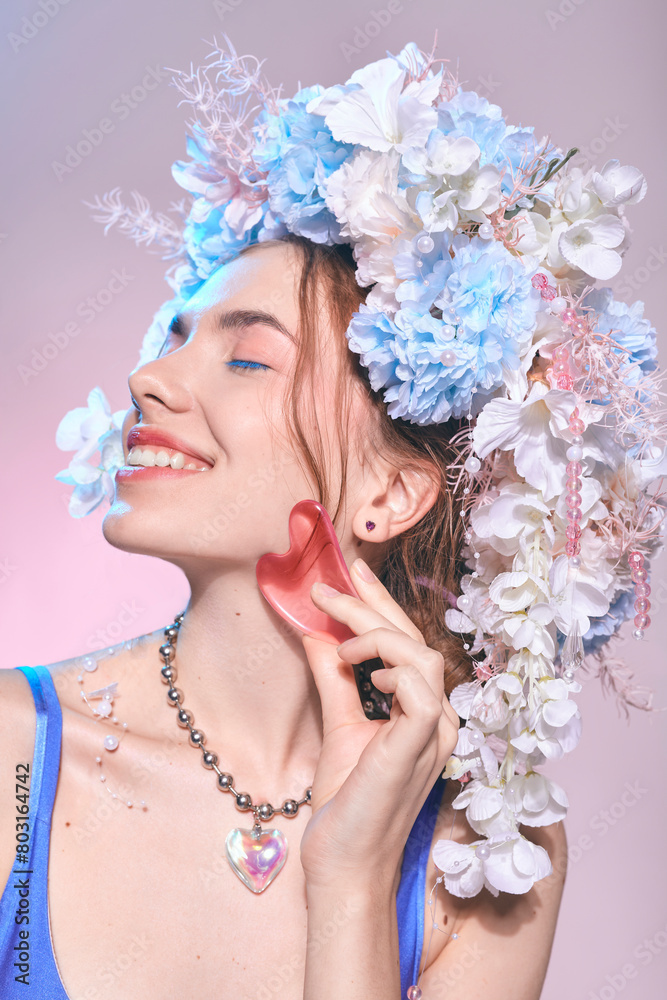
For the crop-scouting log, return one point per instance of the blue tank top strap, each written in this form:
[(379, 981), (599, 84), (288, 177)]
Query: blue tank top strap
[(26, 951), (412, 887)]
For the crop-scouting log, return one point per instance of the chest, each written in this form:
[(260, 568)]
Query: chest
[(145, 903)]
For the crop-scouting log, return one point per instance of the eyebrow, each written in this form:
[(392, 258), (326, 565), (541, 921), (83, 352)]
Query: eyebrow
[(237, 319)]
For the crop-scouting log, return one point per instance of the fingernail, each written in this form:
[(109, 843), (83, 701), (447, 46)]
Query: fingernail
[(325, 590), (364, 570)]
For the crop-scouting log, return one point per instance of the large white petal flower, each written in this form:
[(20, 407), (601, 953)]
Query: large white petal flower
[(494, 703), (531, 630), (374, 110), (363, 194), (517, 510), (533, 233), (574, 199), (537, 431), (535, 799), (574, 600), (511, 864), (616, 185), (589, 245), (552, 725), (88, 429), (517, 590), (486, 809), (443, 155)]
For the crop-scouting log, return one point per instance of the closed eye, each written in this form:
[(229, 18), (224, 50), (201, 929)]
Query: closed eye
[(247, 364)]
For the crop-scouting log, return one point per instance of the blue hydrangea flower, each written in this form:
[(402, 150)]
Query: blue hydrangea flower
[(213, 242), (300, 154), (626, 325), (602, 629), (404, 356), (490, 292), (422, 275)]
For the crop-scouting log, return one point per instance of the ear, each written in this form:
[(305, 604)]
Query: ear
[(393, 500)]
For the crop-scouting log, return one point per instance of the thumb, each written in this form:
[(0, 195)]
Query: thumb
[(335, 682)]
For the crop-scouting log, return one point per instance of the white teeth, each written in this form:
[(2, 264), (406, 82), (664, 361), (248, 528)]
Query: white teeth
[(161, 458)]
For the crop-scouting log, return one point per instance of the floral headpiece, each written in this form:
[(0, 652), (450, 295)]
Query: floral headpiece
[(482, 246)]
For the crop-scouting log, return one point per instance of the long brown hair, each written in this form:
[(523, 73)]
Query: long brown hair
[(422, 565)]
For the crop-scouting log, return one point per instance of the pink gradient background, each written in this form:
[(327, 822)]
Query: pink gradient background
[(62, 585)]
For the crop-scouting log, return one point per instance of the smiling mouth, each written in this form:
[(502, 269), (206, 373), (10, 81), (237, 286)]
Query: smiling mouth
[(160, 457), (148, 463)]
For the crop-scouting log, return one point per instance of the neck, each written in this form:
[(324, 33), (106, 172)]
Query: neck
[(246, 679)]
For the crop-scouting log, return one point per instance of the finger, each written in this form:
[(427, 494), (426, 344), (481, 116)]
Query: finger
[(422, 716), (393, 648), (359, 614), (337, 688), (378, 597)]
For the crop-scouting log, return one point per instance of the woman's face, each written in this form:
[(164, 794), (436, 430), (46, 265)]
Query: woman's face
[(218, 387)]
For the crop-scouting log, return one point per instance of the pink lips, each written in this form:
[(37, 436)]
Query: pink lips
[(141, 435), (144, 435), (140, 472)]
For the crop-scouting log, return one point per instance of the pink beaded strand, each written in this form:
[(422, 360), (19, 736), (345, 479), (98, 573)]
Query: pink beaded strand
[(547, 291), (573, 484), (642, 591)]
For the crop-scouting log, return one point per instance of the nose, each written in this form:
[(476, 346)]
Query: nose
[(157, 388), (159, 385)]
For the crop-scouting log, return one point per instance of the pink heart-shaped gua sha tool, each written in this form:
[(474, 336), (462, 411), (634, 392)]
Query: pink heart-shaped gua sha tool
[(314, 554)]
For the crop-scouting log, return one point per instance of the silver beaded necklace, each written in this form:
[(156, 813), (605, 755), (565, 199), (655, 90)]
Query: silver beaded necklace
[(256, 856)]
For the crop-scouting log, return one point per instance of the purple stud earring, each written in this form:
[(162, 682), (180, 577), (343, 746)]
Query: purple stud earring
[(370, 525)]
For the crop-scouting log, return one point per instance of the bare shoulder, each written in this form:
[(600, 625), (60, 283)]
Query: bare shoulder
[(485, 941), (17, 741)]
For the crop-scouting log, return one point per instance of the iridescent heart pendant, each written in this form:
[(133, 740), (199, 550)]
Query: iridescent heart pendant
[(256, 855)]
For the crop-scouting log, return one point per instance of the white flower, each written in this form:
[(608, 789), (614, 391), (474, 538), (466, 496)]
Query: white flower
[(534, 233), (363, 195), (517, 590), (517, 510), (494, 703), (537, 431), (530, 630), (575, 200), (470, 197), (374, 110), (475, 613), (616, 185), (485, 806), (443, 155), (574, 600), (589, 245), (510, 864), (553, 725), (535, 800), (88, 429)]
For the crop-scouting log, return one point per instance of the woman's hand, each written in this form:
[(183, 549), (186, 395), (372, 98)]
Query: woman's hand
[(373, 776)]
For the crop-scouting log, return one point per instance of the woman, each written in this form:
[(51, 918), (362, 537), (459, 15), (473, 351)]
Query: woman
[(257, 400), (283, 725)]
